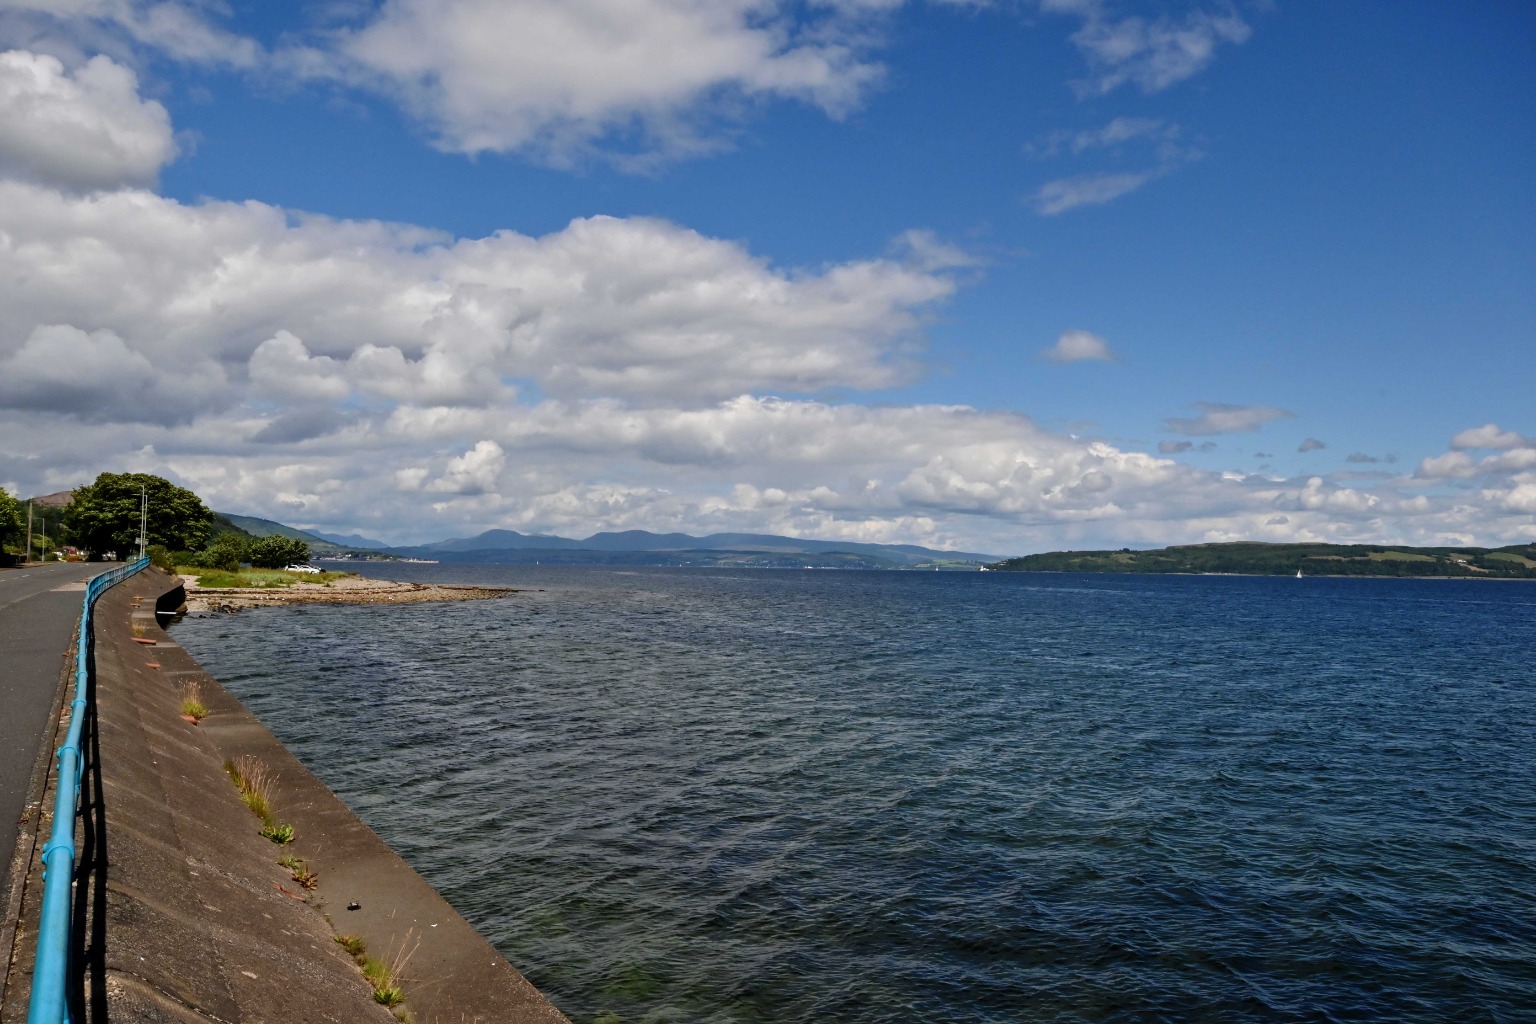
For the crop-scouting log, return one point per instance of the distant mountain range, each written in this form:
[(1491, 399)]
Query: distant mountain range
[(630, 547)]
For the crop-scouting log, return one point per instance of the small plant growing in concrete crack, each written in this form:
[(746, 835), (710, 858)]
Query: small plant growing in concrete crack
[(354, 945), (254, 780), (300, 870), (192, 704), (384, 975), (278, 832)]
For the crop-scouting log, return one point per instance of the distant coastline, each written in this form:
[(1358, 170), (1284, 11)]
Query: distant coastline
[(626, 548), (1246, 558)]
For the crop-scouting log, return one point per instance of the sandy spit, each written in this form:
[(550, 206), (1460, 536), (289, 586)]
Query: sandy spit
[(347, 590)]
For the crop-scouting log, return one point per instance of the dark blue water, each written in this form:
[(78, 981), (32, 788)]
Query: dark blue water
[(683, 795)]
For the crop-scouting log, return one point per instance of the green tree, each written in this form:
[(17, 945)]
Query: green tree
[(226, 552), (10, 517), (104, 515), (276, 552)]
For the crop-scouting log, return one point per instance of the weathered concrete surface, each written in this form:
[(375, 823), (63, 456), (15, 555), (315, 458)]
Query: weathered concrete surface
[(190, 917), (39, 608)]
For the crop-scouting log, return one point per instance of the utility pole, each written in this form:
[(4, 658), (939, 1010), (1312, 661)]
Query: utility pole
[(29, 529), (44, 521)]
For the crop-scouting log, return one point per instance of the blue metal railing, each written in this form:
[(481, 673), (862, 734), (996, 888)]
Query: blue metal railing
[(50, 974)]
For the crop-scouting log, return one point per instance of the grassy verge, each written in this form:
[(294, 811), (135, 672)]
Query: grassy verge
[(256, 577)]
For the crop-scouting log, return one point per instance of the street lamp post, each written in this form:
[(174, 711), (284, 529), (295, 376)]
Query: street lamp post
[(143, 519)]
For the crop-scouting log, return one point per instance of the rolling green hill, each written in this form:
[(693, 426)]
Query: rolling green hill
[(1257, 559), (251, 526)]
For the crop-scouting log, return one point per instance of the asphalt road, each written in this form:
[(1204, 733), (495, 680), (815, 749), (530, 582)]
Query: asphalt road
[(37, 622)]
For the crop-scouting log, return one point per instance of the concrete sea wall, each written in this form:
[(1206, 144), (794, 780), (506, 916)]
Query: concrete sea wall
[(183, 909)]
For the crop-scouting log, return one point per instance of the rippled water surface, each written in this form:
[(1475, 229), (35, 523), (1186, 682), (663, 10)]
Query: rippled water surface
[(697, 795)]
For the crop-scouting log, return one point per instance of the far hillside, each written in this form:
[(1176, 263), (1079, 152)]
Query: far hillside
[(1516, 561), (718, 550), (252, 526)]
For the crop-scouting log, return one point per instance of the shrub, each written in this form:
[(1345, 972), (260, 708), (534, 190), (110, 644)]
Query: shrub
[(225, 554), (161, 558)]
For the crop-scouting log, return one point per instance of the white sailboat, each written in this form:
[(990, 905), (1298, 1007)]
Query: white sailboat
[(1298, 574)]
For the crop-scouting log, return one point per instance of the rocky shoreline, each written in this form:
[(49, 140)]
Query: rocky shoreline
[(348, 590)]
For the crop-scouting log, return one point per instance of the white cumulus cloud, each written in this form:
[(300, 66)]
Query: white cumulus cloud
[(636, 308), (1489, 435), (1449, 465), (556, 77), (1079, 346), (83, 130), (474, 472)]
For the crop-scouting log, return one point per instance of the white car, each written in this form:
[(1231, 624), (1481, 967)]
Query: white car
[(300, 568)]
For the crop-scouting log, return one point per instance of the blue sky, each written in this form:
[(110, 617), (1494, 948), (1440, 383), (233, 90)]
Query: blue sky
[(1000, 275)]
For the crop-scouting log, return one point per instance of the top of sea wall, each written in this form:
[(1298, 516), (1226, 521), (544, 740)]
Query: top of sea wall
[(190, 916)]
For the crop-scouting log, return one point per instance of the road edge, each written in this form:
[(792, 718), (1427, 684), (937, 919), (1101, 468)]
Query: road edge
[(13, 884)]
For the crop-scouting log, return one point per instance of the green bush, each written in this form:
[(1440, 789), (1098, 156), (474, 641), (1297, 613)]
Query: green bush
[(226, 553), (160, 558)]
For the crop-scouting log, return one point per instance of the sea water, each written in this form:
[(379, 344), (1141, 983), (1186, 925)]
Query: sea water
[(781, 796)]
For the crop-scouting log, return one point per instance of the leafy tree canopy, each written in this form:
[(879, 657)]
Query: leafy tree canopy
[(226, 551), (276, 552), (10, 516), (104, 515)]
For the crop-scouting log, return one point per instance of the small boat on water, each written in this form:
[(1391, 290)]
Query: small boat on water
[(1298, 574)]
